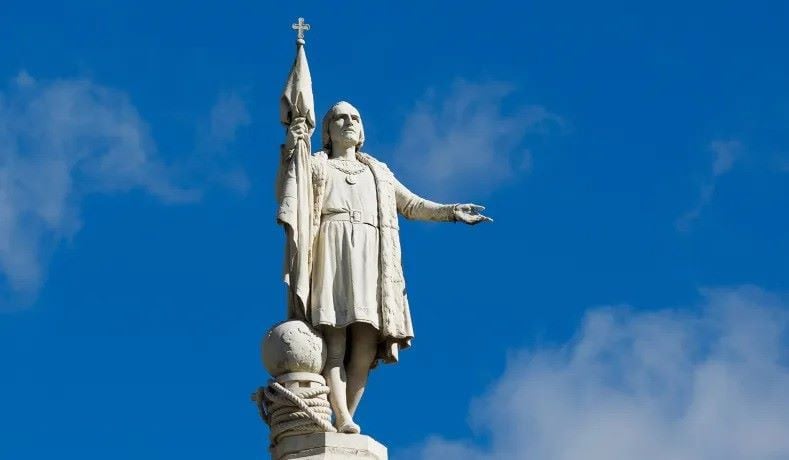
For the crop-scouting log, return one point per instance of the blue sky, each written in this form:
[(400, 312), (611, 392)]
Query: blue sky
[(631, 296)]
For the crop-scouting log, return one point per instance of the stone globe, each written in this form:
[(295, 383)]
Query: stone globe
[(293, 346)]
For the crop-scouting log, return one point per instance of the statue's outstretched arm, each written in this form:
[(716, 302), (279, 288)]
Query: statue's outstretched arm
[(413, 206)]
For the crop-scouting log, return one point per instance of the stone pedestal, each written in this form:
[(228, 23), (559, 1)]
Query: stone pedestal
[(329, 446)]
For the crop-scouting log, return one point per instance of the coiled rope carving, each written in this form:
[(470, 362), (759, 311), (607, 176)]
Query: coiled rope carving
[(301, 411)]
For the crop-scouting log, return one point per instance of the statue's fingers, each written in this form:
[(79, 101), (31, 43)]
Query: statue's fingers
[(472, 209), (476, 219), (471, 219), (479, 218)]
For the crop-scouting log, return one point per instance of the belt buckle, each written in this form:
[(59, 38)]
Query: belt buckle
[(356, 216)]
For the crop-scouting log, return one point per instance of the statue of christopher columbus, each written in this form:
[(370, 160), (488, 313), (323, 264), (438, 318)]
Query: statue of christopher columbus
[(339, 207)]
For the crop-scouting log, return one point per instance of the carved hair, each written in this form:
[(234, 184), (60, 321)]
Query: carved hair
[(329, 117)]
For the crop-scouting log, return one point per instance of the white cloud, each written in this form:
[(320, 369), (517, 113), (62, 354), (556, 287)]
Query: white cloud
[(210, 161), (469, 140), (59, 141), (725, 154), (227, 116), (24, 79), (709, 383)]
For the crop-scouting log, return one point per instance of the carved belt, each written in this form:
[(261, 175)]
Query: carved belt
[(355, 216)]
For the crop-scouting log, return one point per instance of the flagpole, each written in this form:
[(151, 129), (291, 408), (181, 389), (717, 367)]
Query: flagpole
[(297, 208)]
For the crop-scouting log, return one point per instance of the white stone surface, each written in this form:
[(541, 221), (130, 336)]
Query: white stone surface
[(293, 346), (329, 446)]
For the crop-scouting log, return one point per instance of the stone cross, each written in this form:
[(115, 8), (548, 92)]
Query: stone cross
[(300, 27)]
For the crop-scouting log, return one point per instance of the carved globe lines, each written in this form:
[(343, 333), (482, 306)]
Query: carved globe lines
[(292, 346)]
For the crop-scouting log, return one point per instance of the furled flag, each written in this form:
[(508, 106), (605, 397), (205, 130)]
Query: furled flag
[(297, 98), (295, 186)]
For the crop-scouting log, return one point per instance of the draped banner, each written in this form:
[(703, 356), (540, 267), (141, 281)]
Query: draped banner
[(296, 200)]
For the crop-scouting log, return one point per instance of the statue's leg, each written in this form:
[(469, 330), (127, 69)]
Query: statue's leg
[(334, 372), (364, 345)]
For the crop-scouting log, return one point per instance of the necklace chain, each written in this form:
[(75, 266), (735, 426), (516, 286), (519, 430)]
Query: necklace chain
[(346, 166)]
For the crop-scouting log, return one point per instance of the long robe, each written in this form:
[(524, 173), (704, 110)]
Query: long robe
[(396, 329)]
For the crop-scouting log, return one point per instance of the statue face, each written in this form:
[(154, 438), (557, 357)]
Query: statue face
[(346, 125)]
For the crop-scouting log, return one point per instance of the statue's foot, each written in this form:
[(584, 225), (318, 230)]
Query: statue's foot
[(348, 427)]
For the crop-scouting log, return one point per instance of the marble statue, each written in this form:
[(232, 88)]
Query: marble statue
[(339, 207)]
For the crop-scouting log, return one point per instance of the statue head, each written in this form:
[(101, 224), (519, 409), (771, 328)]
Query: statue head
[(343, 124)]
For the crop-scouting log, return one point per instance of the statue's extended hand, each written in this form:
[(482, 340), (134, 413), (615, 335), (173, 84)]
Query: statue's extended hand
[(470, 214), (297, 130)]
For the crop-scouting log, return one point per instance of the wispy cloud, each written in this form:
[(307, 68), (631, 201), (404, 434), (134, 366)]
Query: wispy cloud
[(211, 160), (685, 385), (60, 141), (228, 114), (725, 153), (472, 138)]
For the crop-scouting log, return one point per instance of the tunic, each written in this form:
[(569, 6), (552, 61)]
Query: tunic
[(345, 274), (378, 265)]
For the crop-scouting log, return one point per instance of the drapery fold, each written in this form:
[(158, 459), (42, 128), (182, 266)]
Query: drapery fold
[(295, 186)]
